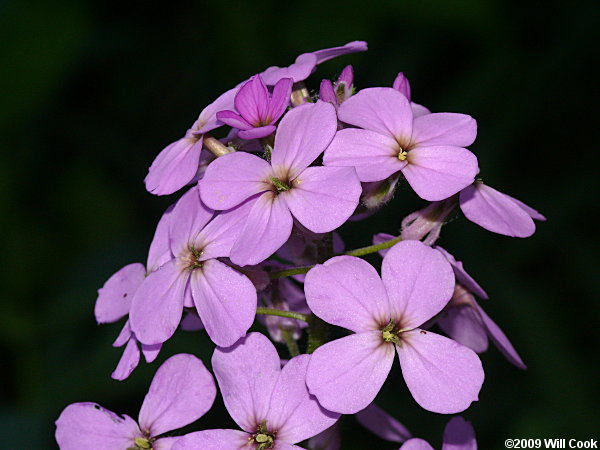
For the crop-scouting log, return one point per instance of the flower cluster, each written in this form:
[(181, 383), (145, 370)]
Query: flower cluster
[(254, 234)]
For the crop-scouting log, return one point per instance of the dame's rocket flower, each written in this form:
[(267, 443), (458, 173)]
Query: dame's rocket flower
[(402, 85), (256, 110), (182, 391), (467, 323), (271, 404), (428, 150), (177, 164), (385, 314), (498, 212), (224, 298), (306, 63), (341, 91), (320, 198)]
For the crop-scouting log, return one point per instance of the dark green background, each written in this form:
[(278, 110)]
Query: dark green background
[(92, 91)]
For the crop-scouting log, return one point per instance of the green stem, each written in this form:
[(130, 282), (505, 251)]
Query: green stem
[(373, 248), (290, 342), (282, 313), (356, 252)]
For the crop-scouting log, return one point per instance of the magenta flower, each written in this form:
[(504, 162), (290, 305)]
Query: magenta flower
[(256, 112), (498, 212), (467, 323), (224, 298), (385, 314), (428, 149), (271, 405), (306, 63), (320, 198), (114, 301), (181, 392), (177, 164), (342, 90), (458, 435)]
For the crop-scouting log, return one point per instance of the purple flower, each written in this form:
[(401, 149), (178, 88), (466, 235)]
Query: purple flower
[(271, 405), (384, 313), (177, 164), (458, 435), (320, 198), (466, 322), (498, 212), (380, 423), (257, 112), (181, 392), (306, 63), (427, 149), (224, 298), (342, 90), (114, 301), (426, 224)]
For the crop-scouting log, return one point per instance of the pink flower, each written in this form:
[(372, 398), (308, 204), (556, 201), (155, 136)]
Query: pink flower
[(458, 435), (181, 392), (385, 314), (193, 276), (320, 198), (271, 404), (256, 112), (428, 150)]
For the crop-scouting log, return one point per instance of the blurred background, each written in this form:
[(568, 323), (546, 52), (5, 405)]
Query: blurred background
[(92, 91)]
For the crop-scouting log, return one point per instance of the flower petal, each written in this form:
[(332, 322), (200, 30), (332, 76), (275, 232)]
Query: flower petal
[(323, 198), (419, 282), (346, 374), (458, 130), (383, 110), (303, 134), (207, 120), (219, 235), (160, 249), (334, 52), (174, 167), (463, 325), (346, 291), (500, 340), (128, 362), (326, 92), (436, 173), (257, 133), (442, 375), (225, 300), (157, 305), (150, 352), (267, 228), (188, 217), (372, 154), (495, 211), (380, 423), (88, 425), (252, 100), (280, 99), (247, 374), (402, 85), (462, 276), (114, 298), (213, 440), (232, 178), (293, 411), (416, 444), (234, 120), (300, 70), (182, 391), (459, 435)]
